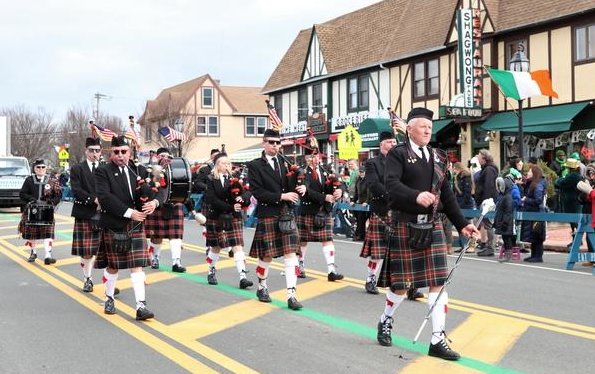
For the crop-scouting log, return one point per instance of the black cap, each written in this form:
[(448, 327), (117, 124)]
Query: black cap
[(120, 141), (420, 113), (270, 133), (39, 161), (162, 150), (385, 135), (218, 156), (311, 151), (130, 117), (92, 141), (214, 150)]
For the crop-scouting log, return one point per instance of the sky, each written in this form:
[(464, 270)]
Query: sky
[(57, 54)]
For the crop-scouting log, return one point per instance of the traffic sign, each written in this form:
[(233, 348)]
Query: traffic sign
[(349, 143), (64, 164), (63, 154)]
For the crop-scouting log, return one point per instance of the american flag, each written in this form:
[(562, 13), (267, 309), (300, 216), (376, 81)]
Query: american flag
[(276, 123), (171, 134), (131, 134), (104, 133), (399, 126)]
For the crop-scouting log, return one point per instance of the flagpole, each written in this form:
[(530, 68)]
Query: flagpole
[(520, 113)]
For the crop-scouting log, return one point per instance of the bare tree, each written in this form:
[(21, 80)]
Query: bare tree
[(75, 129), (32, 133)]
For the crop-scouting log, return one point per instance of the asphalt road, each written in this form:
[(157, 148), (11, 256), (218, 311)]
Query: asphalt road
[(510, 317)]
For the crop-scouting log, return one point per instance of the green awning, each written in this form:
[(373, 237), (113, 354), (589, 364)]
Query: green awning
[(555, 118), (370, 128), (439, 125)]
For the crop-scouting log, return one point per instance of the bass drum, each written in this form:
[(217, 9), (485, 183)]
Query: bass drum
[(40, 214), (179, 181)]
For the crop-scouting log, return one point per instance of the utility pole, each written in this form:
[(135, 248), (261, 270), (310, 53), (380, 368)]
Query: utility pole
[(98, 96)]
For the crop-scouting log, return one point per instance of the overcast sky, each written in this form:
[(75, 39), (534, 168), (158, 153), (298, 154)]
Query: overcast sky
[(57, 54)]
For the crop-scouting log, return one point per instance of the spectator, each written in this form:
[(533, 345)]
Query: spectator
[(485, 188), (583, 167), (464, 188), (533, 201), (360, 196), (504, 219), (353, 167), (587, 198), (558, 164), (568, 193)]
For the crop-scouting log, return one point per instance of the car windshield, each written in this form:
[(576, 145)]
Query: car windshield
[(13, 166)]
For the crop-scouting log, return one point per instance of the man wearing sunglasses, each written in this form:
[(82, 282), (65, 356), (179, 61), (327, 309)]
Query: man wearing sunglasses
[(122, 215), (269, 185), (86, 236)]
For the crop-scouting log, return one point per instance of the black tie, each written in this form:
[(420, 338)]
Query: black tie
[(423, 155), (276, 163), (93, 168), (126, 180)]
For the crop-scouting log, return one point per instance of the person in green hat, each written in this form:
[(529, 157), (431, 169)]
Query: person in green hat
[(582, 166), (558, 164), (568, 194)]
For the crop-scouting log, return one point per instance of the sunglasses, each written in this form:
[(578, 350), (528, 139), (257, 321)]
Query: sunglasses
[(40, 167), (274, 142), (94, 150), (118, 151)]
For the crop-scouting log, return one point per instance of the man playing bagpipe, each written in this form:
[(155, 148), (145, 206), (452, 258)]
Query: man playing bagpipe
[(314, 220), (167, 222), (41, 194)]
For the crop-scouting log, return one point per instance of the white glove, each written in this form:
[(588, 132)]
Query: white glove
[(200, 218), (584, 187)]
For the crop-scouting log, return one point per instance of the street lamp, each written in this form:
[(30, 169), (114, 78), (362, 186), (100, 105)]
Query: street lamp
[(519, 62), (179, 126)]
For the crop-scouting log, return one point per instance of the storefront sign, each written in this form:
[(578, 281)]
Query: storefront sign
[(317, 123), (470, 63), (460, 112), (340, 123), (294, 130)]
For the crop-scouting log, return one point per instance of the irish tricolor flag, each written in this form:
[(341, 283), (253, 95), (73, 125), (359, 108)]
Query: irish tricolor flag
[(519, 86)]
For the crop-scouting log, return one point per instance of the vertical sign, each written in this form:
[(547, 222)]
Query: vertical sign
[(465, 29), (477, 60)]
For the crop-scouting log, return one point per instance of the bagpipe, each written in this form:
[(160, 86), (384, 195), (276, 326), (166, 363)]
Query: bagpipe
[(295, 173)]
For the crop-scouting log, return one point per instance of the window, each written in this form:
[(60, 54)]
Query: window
[(255, 126), (426, 79), (207, 126), (303, 104), (279, 106), (148, 133), (358, 93), (584, 43), (207, 97), (317, 98)]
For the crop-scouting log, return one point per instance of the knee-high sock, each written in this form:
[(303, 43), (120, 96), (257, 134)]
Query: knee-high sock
[(262, 272), (212, 259), (374, 267), (109, 280), (87, 265), (47, 245), (31, 244), (438, 315), (329, 256), (175, 246), (291, 272), (239, 258), (392, 303), (156, 249), (138, 284), (303, 250)]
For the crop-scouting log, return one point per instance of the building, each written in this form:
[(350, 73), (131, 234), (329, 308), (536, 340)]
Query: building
[(209, 114), (404, 54)]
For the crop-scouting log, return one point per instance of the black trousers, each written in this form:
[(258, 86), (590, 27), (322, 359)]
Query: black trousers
[(360, 228)]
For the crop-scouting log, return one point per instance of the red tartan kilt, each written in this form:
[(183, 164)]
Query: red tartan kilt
[(270, 242), (309, 233), (223, 239), (138, 256), (30, 232), (375, 242), (419, 268), (85, 241), (157, 227)]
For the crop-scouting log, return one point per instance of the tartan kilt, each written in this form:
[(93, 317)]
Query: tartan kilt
[(30, 232), (309, 233), (375, 242), (137, 256), (270, 242), (419, 268), (223, 239), (85, 241), (157, 227)]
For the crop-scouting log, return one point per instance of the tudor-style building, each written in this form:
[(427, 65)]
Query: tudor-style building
[(404, 53), (209, 114)]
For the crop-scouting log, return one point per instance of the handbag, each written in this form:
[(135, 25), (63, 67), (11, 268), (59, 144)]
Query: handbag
[(287, 223), (121, 242), (225, 221), (420, 235), (320, 219), (95, 222)]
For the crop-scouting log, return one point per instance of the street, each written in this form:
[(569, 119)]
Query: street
[(511, 317)]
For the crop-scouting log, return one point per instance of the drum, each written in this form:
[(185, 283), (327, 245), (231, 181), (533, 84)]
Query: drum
[(179, 180), (40, 214)]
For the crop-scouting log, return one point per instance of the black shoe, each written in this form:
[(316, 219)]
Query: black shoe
[(230, 253), (458, 250), (487, 252), (143, 313), (371, 287), (263, 295), (293, 304), (302, 270), (155, 263), (334, 276), (178, 268), (32, 257), (211, 278), (384, 329), (116, 291), (108, 306), (413, 294), (443, 351), (88, 286), (533, 259), (245, 283), (49, 260)]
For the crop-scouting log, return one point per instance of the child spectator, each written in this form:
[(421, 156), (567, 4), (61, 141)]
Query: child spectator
[(504, 219)]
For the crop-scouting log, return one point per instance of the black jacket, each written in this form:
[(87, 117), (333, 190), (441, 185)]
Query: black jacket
[(30, 191), (220, 200), (375, 182), (199, 180), (316, 190), (82, 182), (485, 188), (504, 219), (267, 187)]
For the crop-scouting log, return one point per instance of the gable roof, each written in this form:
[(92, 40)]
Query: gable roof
[(395, 29), (246, 100)]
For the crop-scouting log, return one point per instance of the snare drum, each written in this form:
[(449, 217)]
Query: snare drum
[(178, 177), (40, 214)]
